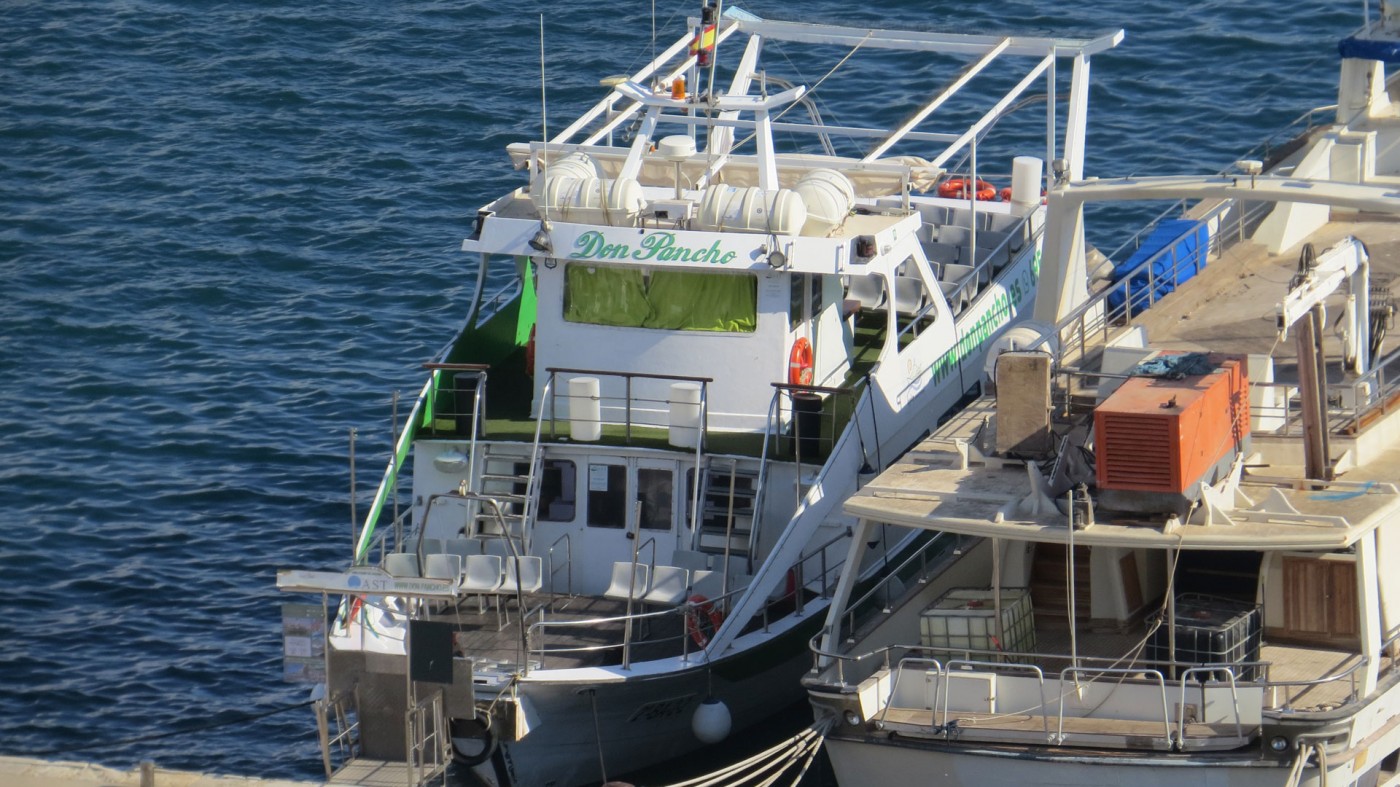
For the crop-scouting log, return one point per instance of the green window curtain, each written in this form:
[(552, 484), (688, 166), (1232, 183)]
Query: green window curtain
[(604, 295), (692, 301)]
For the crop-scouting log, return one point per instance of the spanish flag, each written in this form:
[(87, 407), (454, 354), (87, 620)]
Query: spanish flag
[(704, 40)]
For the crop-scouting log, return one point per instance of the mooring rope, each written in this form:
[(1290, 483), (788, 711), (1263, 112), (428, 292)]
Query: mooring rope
[(766, 767)]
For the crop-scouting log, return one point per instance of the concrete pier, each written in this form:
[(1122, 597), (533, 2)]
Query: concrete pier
[(30, 772)]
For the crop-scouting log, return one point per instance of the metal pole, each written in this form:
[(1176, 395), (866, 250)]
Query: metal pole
[(1312, 380), (632, 587), (996, 593), (394, 433), (354, 516), (1171, 613)]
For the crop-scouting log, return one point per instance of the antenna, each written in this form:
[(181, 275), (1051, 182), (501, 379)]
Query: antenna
[(544, 106), (544, 127)]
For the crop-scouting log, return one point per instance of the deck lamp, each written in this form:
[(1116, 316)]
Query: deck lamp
[(541, 240)]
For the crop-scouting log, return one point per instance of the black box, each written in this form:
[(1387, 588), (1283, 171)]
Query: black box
[(1211, 630)]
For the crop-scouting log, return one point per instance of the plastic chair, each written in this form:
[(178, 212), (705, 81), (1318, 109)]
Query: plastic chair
[(908, 295), (667, 586), (482, 574), (495, 546), (869, 290), (432, 546), (465, 547), (442, 566), (706, 583), (401, 564), (528, 577), (622, 575), (690, 559)]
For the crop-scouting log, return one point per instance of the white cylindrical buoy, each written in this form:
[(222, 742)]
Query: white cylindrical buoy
[(684, 431), (585, 409), (1026, 179), (711, 722)]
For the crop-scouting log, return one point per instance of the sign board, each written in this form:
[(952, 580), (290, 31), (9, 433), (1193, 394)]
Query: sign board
[(303, 643), (363, 581)]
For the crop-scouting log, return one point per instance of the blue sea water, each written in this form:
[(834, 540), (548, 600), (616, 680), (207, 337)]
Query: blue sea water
[(229, 232)]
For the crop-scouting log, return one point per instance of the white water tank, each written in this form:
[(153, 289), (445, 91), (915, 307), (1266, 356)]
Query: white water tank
[(1026, 180), (585, 409), (751, 209), (684, 416), (829, 197), (591, 200)]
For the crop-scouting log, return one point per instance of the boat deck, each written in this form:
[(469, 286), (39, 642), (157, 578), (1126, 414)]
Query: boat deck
[(1232, 305)]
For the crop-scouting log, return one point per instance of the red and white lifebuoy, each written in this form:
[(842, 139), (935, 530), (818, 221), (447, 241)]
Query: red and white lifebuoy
[(800, 363), (961, 188), (699, 605)]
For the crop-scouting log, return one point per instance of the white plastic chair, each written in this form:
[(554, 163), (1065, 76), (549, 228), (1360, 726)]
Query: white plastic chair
[(667, 586), (442, 566), (401, 564), (690, 559), (465, 547), (528, 577), (482, 574), (622, 575), (706, 583), (869, 290), (908, 295)]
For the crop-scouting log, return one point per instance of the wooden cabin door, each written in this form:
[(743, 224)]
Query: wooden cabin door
[(1319, 601)]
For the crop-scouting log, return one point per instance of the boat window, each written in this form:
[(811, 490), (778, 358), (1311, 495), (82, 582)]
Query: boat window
[(607, 495), (795, 301), (558, 490), (667, 299), (654, 490)]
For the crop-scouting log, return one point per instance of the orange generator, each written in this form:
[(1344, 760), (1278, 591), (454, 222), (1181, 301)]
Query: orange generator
[(1157, 438)]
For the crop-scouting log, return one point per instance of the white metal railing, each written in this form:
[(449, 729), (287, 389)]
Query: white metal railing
[(344, 744), (426, 740)]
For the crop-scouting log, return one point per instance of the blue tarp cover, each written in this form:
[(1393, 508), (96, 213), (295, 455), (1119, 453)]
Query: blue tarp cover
[(1188, 240), (1370, 49)]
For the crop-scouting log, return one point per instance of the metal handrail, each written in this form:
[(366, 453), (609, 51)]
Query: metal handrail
[(894, 686), (995, 666), (919, 554), (842, 659), (1094, 317), (425, 739), (1181, 708), (534, 634), (568, 563), (627, 377), (820, 551), (1030, 240), (1068, 672)]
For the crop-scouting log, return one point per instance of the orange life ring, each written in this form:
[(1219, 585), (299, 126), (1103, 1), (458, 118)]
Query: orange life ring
[(530, 353), (800, 362), (957, 188), (1006, 194), (701, 605)]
